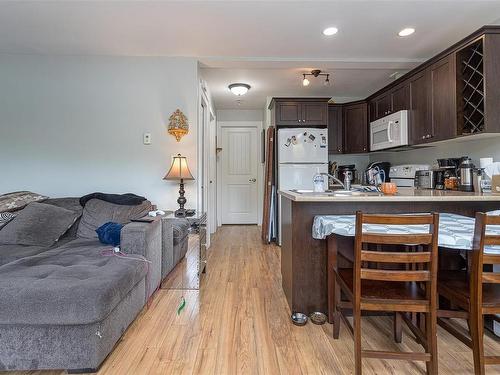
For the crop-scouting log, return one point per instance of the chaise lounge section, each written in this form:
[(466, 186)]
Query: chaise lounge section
[(67, 305)]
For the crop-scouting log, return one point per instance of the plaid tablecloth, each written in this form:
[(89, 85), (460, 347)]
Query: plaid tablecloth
[(455, 231)]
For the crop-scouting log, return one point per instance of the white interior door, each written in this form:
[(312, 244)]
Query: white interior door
[(239, 157)]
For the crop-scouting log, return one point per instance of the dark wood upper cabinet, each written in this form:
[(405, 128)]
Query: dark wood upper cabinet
[(335, 129), (300, 112), (384, 105), (355, 117), (401, 97), (315, 113), (443, 113), (420, 127), (372, 111)]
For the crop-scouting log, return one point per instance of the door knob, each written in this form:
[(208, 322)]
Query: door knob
[(252, 180)]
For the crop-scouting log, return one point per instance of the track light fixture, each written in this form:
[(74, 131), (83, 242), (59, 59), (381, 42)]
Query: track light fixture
[(315, 73)]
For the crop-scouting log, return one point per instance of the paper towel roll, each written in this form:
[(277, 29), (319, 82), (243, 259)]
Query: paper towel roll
[(483, 162)]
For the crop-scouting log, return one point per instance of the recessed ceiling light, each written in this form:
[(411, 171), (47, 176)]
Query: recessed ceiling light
[(406, 32), (329, 31), (239, 88)]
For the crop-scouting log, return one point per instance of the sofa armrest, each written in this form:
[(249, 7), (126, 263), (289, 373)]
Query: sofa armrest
[(144, 239)]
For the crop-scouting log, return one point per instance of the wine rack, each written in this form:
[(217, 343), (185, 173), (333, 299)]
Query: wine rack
[(471, 88)]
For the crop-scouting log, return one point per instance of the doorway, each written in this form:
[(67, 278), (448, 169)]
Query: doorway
[(240, 174)]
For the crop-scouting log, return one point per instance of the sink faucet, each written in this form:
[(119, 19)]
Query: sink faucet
[(347, 181)]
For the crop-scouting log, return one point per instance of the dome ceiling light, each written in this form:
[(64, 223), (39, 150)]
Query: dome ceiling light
[(315, 73), (329, 31), (406, 32), (239, 89)]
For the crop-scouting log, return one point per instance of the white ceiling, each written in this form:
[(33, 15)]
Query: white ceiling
[(264, 42)]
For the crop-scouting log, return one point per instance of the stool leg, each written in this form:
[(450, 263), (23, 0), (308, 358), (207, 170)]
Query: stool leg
[(357, 341), (476, 324), (431, 333), (398, 327), (336, 312)]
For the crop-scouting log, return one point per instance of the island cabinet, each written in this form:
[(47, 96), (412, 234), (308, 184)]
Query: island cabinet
[(335, 129), (300, 112), (355, 118)]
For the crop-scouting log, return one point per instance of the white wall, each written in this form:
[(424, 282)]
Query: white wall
[(74, 125), (240, 115), (475, 149)]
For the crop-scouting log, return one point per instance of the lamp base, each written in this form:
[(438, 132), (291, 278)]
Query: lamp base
[(181, 212), (184, 212)]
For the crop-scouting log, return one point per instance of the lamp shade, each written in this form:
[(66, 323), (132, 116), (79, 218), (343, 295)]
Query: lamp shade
[(179, 169)]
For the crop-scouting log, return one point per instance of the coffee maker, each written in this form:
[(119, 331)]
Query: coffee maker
[(446, 168)]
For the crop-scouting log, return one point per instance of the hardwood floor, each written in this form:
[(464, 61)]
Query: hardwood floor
[(238, 323)]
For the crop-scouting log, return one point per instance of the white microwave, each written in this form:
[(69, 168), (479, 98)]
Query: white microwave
[(389, 131)]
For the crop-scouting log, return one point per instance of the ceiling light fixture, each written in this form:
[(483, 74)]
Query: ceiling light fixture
[(239, 88), (315, 73), (406, 32), (329, 31)]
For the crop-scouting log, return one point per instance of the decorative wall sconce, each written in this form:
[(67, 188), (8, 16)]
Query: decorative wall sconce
[(178, 125)]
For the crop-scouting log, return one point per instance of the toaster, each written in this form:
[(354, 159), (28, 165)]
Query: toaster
[(425, 179)]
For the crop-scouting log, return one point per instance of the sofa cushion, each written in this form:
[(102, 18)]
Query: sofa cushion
[(181, 230), (38, 224), (18, 200), (10, 253), (98, 212), (72, 284)]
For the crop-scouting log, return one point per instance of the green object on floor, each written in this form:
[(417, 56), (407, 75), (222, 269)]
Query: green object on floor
[(181, 305)]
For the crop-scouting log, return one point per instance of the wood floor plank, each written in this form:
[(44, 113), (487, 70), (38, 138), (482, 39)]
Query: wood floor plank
[(238, 323)]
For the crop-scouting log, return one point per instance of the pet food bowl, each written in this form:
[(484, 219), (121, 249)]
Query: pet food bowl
[(317, 317), (299, 319)]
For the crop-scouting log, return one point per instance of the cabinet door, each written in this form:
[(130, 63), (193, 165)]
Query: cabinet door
[(314, 113), (401, 97), (335, 133), (443, 99), (356, 128), (289, 113), (372, 111), (420, 125), (384, 105)]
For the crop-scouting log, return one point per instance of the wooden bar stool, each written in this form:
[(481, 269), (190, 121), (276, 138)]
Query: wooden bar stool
[(475, 292), (369, 287)]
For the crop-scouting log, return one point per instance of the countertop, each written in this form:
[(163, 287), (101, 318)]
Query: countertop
[(403, 195)]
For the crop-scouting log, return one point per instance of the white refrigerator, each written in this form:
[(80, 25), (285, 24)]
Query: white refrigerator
[(302, 153)]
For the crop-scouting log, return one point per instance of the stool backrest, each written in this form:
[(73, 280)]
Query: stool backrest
[(481, 240), (425, 262)]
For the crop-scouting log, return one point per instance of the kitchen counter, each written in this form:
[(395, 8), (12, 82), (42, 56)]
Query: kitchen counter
[(403, 195), (304, 258)]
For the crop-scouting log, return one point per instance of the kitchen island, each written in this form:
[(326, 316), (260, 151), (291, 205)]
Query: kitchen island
[(304, 259)]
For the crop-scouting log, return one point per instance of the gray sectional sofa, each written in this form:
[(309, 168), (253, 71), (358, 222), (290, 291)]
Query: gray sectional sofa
[(65, 306)]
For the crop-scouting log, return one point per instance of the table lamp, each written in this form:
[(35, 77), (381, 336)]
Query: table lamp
[(179, 170)]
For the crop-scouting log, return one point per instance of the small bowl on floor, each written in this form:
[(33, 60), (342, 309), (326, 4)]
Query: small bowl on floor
[(299, 319), (317, 317)]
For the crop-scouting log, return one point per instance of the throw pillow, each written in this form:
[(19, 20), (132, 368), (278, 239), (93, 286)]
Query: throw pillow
[(98, 212), (109, 233), (38, 224), (18, 200), (5, 217)]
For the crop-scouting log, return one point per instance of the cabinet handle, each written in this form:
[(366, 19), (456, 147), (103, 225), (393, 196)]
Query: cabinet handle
[(423, 137), (364, 148), (340, 150), (300, 120)]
